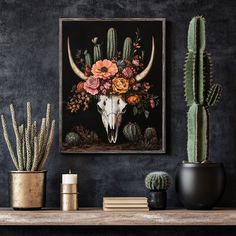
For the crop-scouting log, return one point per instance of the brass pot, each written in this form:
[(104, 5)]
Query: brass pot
[(27, 189)]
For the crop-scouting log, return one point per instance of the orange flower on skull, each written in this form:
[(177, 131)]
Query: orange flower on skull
[(133, 99), (120, 85), (104, 69)]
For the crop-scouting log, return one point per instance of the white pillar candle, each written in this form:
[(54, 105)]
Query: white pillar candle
[(69, 178)]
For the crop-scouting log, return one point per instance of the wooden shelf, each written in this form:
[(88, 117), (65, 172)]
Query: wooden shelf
[(97, 217)]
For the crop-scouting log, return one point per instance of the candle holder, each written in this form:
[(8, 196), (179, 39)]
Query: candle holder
[(69, 192)]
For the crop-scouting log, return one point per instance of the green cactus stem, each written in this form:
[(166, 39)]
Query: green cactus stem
[(97, 52), (157, 181), (127, 49), (111, 43), (198, 125), (200, 94), (88, 59), (8, 142), (32, 149)]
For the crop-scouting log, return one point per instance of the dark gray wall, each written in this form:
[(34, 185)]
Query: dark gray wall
[(29, 72)]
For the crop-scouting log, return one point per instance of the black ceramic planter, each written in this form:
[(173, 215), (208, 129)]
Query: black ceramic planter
[(157, 200), (200, 186)]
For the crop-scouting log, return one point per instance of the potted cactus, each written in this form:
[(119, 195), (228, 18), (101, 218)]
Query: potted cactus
[(199, 182), (27, 184), (157, 183)]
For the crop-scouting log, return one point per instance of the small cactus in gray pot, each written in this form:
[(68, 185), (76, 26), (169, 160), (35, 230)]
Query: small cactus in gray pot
[(157, 182)]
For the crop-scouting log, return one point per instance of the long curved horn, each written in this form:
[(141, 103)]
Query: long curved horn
[(144, 73), (77, 71)]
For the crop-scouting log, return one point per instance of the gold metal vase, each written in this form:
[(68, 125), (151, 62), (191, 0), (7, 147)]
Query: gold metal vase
[(27, 189)]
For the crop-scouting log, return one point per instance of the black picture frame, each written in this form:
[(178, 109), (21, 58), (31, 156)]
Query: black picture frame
[(73, 28)]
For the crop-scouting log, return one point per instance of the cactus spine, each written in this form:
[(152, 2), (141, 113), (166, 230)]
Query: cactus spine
[(127, 49), (32, 149), (97, 52), (158, 180), (111, 43), (200, 94)]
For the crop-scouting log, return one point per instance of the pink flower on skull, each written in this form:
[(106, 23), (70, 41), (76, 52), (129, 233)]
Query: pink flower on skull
[(127, 72), (135, 62), (91, 85)]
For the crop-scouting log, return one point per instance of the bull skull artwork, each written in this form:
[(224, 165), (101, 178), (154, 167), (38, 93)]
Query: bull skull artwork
[(111, 105)]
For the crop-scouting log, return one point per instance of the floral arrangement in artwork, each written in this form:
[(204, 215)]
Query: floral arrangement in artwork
[(114, 75)]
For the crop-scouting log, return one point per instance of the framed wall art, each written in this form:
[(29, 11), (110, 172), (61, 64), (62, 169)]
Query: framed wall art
[(112, 85)]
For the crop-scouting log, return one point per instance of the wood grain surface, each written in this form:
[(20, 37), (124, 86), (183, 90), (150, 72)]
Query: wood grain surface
[(97, 217)]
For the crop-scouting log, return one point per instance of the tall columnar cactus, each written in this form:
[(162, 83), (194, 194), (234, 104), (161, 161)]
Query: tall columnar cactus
[(157, 181), (97, 52), (200, 93), (32, 148), (127, 49), (111, 43)]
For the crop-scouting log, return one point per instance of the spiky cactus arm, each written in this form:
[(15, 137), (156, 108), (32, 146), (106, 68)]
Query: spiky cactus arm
[(207, 72), (194, 66), (29, 117), (22, 137), (127, 49), (28, 150), (214, 95), (111, 43), (97, 52), (17, 135), (198, 125), (36, 155), (8, 142), (49, 144), (42, 137), (189, 70)]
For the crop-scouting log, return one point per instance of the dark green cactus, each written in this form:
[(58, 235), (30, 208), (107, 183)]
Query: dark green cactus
[(158, 180), (97, 52), (127, 49), (72, 139), (200, 94), (197, 133), (214, 95), (132, 132), (150, 133), (111, 43), (88, 59)]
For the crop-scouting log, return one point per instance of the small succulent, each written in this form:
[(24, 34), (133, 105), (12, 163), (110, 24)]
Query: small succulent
[(132, 132), (158, 180), (72, 139), (86, 136)]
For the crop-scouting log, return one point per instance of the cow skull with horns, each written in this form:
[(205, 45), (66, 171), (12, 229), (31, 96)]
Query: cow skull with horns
[(111, 107)]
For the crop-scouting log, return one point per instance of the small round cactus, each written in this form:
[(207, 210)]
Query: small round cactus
[(150, 133), (157, 181), (132, 132), (72, 139)]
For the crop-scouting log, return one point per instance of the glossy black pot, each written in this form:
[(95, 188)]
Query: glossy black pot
[(157, 200), (200, 186)]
